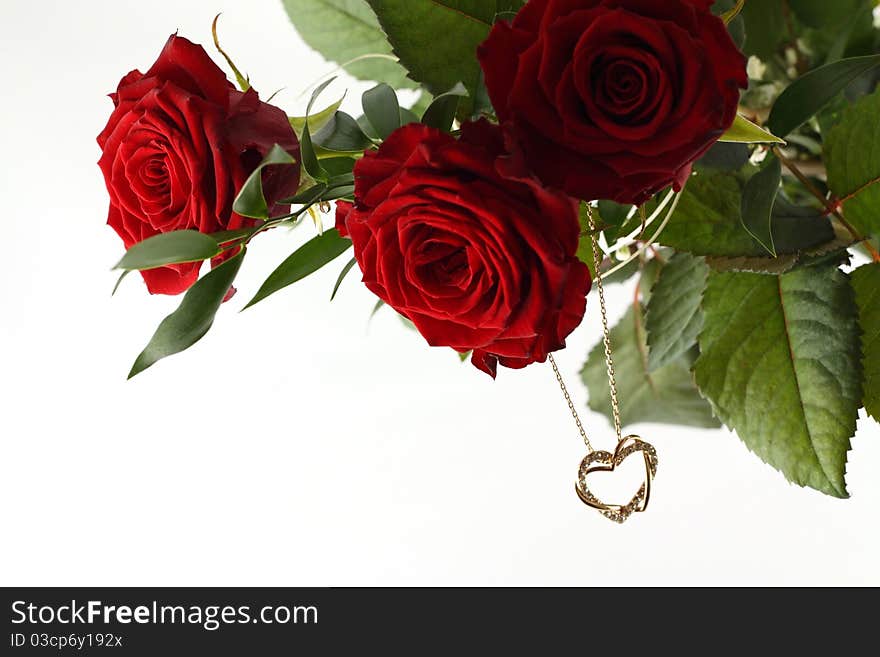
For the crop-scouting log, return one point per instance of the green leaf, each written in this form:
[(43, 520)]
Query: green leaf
[(852, 155), (304, 261), (307, 148), (674, 319), (347, 32), (227, 236), (351, 263), (780, 362), (441, 113), (437, 41), (758, 199), (744, 131), (823, 14), (193, 318), (343, 134), (317, 121), (119, 281), (724, 157), (338, 168), (804, 97), (765, 27), (754, 265), (382, 110), (176, 247), (307, 196), (666, 396), (866, 283), (250, 201), (707, 222)]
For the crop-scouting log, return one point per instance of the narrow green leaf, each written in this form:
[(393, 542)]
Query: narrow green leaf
[(866, 283), (227, 236), (780, 362), (250, 201), (342, 133), (317, 121), (441, 113), (119, 281), (193, 318), (351, 263), (307, 149), (379, 305), (852, 156), (336, 193), (758, 199), (744, 131), (666, 396), (382, 110), (304, 261), (804, 97), (176, 247), (307, 196), (673, 318)]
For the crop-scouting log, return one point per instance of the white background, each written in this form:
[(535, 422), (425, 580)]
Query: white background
[(296, 445)]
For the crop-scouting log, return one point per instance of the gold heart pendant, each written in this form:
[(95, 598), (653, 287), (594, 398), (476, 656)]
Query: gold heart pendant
[(607, 462)]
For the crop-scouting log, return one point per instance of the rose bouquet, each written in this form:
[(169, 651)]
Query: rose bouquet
[(721, 153)]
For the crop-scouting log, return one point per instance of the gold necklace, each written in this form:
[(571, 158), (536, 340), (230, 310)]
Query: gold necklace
[(601, 461)]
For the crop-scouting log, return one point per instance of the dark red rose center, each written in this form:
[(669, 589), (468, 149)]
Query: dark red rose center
[(625, 89), (440, 267)]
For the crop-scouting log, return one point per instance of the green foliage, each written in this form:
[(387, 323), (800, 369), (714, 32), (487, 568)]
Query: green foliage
[(250, 201), (441, 112), (852, 155), (674, 318), (667, 395), (317, 120), (824, 13), (342, 134), (382, 110), (708, 222), (304, 261), (193, 318), (347, 32), (758, 199), (437, 41), (348, 267), (764, 26), (811, 92), (780, 363), (744, 131), (176, 247), (866, 283)]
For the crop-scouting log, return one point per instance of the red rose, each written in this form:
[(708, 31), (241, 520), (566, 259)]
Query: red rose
[(476, 260), (177, 148), (614, 99)]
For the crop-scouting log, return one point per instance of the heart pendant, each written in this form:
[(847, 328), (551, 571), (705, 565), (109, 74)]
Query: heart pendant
[(607, 462)]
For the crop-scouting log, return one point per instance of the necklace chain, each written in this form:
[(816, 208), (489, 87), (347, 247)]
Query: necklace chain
[(606, 340)]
